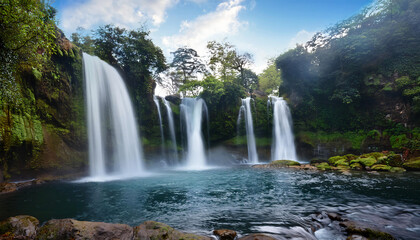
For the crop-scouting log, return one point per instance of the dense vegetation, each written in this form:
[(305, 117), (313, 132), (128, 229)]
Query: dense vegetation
[(41, 103), (359, 75), (354, 87)]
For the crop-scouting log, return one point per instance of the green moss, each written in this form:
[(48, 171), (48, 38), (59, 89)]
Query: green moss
[(343, 167), (342, 162), (37, 74), (284, 163), (355, 139), (388, 87), (323, 166), (367, 162), (381, 167), (413, 164), (356, 165), (333, 160), (397, 169), (375, 155)]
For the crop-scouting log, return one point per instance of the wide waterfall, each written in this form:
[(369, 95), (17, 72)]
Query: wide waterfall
[(174, 155), (249, 127), (114, 145), (162, 136), (283, 145), (192, 110)]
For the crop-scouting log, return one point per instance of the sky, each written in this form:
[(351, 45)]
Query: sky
[(264, 28)]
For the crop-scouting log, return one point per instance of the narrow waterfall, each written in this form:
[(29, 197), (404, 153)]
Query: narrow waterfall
[(249, 127), (171, 124), (162, 136), (191, 117), (283, 145), (114, 144)]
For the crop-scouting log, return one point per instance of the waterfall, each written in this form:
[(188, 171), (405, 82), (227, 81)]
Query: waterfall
[(162, 136), (191, 117), (114, 144), (172, 131), (283, 145), (249, 127)]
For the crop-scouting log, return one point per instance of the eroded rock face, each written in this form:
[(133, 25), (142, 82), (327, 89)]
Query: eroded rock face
[(151, 230), (19, 227), (73, 229)]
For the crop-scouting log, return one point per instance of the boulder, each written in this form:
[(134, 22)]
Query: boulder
[(257, 236), (73, 229), (175, 99), (412, 164), (278, 164), (19, 227), (354, 228), (225, 234), (151, 230), (7, 187)]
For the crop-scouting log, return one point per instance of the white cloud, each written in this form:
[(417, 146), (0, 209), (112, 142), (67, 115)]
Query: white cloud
[(124, 13), (300, 38), (216, 25)]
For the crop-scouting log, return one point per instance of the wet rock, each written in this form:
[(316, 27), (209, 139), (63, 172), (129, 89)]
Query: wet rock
[(73, 229), (354, 228), (8, 187), (257, 236), (334, 216), (278, 164), (151, 230), (19, 227), (225, 234), (175, 99), (1, 176), (412, 164)]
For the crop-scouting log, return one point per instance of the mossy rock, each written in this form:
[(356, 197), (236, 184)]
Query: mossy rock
[(381, 167), (397, 169), (323, 166), (356, 166), (284, 163), (412, 164), (367, 162), (395, 160), (350, 157), (341, 162), (157, 230), (19, 227), (333, 160), (375, 155), (343, 167)]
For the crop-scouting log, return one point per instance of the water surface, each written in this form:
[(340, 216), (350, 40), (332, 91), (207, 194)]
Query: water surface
[(241, 198)]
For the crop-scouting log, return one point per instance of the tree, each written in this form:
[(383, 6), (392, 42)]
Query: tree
[(226, 62), (270, 79), (248, 79), (27, 38)]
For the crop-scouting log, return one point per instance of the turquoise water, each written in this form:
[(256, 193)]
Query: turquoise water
[(241, 198)]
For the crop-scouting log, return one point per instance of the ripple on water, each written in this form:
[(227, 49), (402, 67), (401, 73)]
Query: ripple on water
[(244, 199)]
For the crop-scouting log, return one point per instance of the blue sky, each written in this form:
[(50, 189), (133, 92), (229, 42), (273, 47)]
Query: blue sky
[(264, 28)]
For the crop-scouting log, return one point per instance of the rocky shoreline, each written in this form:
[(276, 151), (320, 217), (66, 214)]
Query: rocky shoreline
[(28, 227)]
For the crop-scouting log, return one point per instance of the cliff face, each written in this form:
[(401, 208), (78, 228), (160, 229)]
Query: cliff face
[(46, 132)]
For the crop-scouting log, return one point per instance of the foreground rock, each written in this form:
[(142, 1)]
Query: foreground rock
[(73, 229), (151, 230), (353, 229), (19, 227), (225, 234)]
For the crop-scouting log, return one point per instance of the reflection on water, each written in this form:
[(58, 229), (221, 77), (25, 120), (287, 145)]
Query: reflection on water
[(244, 199)]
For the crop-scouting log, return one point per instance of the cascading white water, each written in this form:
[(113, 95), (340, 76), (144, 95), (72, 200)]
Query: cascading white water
[(172, 131), (192, 115), (114, 144), (162, 136), (283, 145), (249, 127)]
